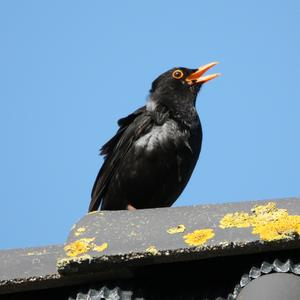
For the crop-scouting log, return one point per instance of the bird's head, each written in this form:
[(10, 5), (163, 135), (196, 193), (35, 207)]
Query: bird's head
[(180, 85)]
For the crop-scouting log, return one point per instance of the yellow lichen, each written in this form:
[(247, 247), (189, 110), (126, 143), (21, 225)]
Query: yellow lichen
[(82, 246), (152, 250), (199, 237), (268, 221), (238, 220), (101, 247), (178, 229), (80, 231), (264, 214), (283, 228), (79, 247)]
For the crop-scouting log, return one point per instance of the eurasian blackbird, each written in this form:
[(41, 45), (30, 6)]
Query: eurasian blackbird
[(149, 161)]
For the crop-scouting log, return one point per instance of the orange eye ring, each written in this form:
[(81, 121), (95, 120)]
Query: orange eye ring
[(177, 74)]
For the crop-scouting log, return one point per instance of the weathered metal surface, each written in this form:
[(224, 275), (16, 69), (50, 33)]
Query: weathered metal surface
[(114, 245), (127, 238), (29, 266), (35, 268), (29, 262)]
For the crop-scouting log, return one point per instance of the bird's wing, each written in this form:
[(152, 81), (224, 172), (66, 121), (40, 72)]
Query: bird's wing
[(115, 150)]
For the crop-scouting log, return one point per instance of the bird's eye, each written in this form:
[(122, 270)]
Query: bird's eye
[(177, 74)]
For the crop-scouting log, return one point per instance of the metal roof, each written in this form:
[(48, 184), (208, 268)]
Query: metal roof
[(110, 238), (111, 245)]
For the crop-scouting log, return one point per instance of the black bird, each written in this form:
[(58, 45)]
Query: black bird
[(151, 158)]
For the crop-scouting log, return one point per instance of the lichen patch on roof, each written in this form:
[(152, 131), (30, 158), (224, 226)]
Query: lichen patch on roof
[(83, 246), (152, 250), (268, 221), (199, 237), (101, 247), (178, 229), (78, 247), (80, 231)]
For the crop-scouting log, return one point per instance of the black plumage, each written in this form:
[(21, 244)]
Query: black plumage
[(149, 161)]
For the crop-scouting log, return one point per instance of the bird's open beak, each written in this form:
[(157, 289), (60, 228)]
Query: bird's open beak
[(197, 78)]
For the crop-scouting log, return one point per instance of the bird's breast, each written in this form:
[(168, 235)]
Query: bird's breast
[(160, 136)]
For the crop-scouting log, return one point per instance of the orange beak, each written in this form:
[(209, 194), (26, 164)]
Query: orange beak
[(197, 78)]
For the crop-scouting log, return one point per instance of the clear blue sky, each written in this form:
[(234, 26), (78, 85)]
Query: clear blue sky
[(70, 69)]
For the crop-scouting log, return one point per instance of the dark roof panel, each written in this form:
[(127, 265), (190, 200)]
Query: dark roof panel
[(180, 233), (108, 245)]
